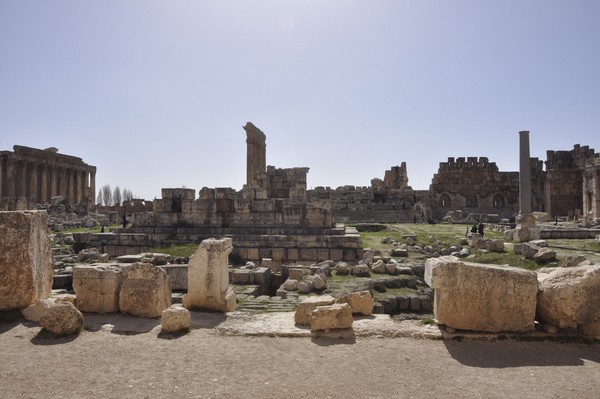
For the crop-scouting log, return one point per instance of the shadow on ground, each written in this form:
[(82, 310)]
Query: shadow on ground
[(504, 354)]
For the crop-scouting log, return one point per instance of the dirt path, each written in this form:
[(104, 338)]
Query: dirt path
[(105, 363)]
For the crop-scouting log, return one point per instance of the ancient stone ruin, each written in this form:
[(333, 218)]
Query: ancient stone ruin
[(270, 218), (30, 177)]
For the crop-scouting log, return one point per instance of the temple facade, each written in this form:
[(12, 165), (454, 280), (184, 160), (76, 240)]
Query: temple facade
[(30, 176)]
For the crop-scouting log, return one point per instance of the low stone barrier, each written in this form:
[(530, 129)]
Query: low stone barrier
[(478, 297)]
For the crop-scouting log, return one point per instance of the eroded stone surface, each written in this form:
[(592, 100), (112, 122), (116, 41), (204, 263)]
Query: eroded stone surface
[(361, 302), (302, 315), (330, 317), (97, 287), (208, 277), (62, 318), (26, 264), (175, 319), (569, 297), (145, 292), (491, 298)]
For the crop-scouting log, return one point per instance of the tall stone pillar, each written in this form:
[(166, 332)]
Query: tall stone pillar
[(256, 154), (33, 184), (71, 174), (44, 184), (526, 229), (23, 179), (53, 182), (63, 182), (11, 178)]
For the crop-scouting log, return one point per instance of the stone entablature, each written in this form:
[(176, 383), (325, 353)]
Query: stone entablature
[(30, 176)]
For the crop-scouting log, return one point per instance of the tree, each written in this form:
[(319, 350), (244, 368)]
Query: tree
[(107, 195), (117, 196), (127, 195), (99, 198)]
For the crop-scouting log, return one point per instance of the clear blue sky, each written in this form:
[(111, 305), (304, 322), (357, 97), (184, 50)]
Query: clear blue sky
[(155, 93)]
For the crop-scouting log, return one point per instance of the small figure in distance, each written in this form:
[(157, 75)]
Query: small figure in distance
[(480, 230)]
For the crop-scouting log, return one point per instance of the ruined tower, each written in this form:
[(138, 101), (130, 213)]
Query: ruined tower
[(256, 154)]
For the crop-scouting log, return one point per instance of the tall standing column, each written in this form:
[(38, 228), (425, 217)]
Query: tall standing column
[(256, 153), (526, 229), (33, 184), (23, 179), (53, 182), (524, 174), (44, 184)]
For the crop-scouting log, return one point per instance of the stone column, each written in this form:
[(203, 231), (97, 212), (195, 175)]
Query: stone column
[(71, 191), (22, 179), (524, 175), (53, 181), (33, 184), (526, 229), (63, 182), (44, 184), (11, 178), (256, 153)]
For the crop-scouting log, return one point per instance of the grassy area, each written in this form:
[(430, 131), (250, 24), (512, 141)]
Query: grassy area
[(95, 229), (446, 234), (180, 250), (506, 258)]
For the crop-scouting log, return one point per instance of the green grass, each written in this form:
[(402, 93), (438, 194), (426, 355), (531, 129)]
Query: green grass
[(446, 234), (506, 258), (179, 250), (95, 229)]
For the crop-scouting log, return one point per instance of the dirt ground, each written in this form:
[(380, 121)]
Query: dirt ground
[(266, 356)]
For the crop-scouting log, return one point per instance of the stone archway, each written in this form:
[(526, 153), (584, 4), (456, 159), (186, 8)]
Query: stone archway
[(499, 201), (445, 201)]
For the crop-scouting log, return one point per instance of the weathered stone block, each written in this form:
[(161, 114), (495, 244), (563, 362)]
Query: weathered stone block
[(302, 315), (336, 316), (26, 264), (97, 287), (242, 276), (262, 275), (145, 292), (62, 318), (492, 298), (361, 302), (569, 297), (208, 278), (175, 319)]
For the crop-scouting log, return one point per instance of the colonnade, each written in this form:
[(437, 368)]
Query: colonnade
[(39, 175)]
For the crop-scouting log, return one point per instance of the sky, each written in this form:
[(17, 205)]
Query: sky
[(155, 93)]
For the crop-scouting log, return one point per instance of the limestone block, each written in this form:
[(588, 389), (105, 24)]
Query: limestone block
[(37, 310), (262, 275), (318, 281), (146, 291), (178, 274), (26, 263), (306, 286), (62, 319), (569, 297), (360, 270), (336, 316), (361, 302), (400, 252), (495, 245), (342, 268), (573, 260), (242, 276), (491, 298), (97, 287), (368, 257), (544, 255), (296, 273), (302, 315), (378, 267), (175, 319), (529, 250), (208, 277), (290, 284)]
